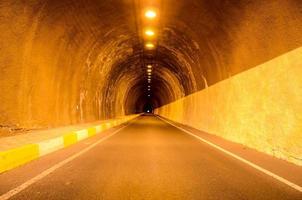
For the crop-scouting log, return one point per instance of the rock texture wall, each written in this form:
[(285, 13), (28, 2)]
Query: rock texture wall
[(57, 59), (72, 61), (260, 108)]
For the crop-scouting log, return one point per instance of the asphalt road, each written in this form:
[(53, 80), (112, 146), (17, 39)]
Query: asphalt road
[(149, 159)]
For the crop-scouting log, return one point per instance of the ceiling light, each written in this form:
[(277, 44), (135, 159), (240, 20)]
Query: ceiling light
[(150, 45), (149, 32), (150, 14), (149, 70), (149, 66)]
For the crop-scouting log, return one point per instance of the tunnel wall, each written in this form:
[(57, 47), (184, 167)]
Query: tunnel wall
[(58, 60), (260, 108)]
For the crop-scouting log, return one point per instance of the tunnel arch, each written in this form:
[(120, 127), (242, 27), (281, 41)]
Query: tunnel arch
[(75, 61)]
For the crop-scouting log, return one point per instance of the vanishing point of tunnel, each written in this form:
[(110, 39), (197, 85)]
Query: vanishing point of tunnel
[(173, 99)]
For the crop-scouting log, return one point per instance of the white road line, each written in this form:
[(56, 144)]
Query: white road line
[(265, 171), (48, 171)]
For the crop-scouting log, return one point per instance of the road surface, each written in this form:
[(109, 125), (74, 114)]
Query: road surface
[(148, 159)]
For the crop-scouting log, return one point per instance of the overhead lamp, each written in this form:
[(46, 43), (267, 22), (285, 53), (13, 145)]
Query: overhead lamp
[(149, 66), (149, 70), (149, 86), (149, 32), (149, 45), (149, 73), (150, 14), (149, 89), (149, 95)]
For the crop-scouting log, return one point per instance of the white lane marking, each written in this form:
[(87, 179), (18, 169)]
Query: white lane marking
[(48, 171), (265, 171)]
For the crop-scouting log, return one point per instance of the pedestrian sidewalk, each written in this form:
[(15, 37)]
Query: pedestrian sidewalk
[(37, 136), (20, 149)]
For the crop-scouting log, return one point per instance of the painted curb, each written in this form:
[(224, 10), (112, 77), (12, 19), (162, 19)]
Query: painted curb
[(15, 157)]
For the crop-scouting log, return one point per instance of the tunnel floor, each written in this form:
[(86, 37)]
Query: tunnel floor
[(148, 159)]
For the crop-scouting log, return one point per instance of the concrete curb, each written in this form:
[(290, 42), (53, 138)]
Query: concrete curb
[(15, 157)]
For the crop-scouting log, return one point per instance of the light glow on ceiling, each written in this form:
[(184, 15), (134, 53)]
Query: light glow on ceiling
[(149, 32), (150, 14), (149, 45)]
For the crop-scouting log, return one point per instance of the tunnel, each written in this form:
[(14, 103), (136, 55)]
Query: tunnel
[(230, 68)]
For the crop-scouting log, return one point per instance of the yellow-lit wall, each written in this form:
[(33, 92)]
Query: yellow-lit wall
[(260, 108)]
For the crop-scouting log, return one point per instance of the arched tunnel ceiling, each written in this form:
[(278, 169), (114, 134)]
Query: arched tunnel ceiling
[(70, 61)]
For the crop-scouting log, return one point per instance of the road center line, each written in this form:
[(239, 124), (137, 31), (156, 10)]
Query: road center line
[(48, 171), (265, 171)]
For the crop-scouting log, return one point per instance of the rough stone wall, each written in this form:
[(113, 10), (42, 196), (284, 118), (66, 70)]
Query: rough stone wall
[(260, 108), (56, 59), (72, 61)]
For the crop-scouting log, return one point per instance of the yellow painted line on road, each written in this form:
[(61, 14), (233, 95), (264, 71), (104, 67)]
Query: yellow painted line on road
[(257, 167)]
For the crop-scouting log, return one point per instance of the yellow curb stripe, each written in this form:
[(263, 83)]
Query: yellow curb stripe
[(91, 131), (70, 139), (15, 157), (56, 166)]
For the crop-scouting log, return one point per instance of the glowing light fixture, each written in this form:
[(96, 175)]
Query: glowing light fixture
[(150, 14), (149, 86), (149, 66), (149, 45), (149, 32), (149, 70)]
